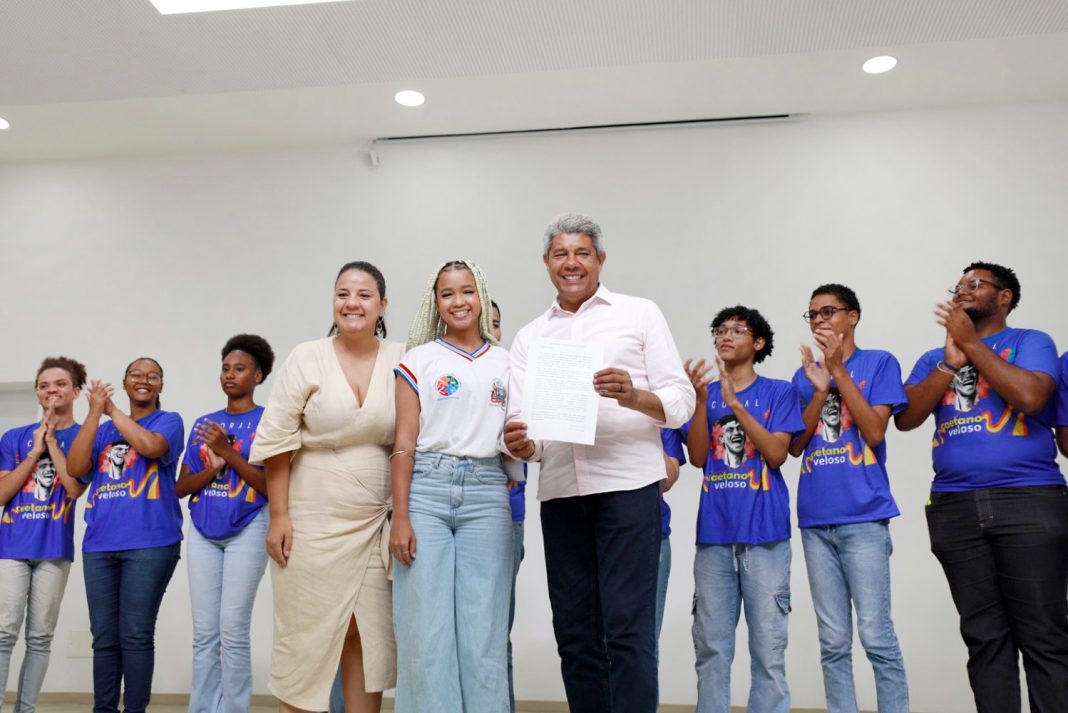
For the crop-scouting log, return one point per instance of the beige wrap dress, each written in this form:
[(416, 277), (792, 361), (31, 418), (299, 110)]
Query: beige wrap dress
[(339, 496)]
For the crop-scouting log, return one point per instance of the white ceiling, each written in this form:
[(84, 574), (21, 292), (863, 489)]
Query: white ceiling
[(85, 78)]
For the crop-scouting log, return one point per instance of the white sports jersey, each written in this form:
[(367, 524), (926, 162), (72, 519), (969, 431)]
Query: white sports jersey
[(462, 397)]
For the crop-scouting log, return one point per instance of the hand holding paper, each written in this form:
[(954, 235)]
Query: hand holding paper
[(559, 404), (615, 384)]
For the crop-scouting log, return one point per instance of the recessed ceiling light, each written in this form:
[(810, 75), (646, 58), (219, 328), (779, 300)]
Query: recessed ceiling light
[(3, 123), (180, 7), (409, 97), (878, 65)]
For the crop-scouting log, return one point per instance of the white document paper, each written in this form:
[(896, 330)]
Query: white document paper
[(559, 403)]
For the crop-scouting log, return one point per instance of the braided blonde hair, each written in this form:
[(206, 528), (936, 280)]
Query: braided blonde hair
[(428, 324)]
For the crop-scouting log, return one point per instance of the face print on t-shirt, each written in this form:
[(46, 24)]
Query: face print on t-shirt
[(730, 444), (835, 418), (117, 457), (966, 390), (966, 387), (44, 478)]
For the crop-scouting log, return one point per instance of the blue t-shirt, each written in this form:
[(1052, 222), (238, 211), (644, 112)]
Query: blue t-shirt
[(979, 440), (843, 480), (671, 440), (517, 499), (742, 500), (38, 523), (131, 503), (227, 504), (1062, 393)]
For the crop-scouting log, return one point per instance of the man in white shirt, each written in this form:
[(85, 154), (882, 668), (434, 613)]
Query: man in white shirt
[(600, 510)]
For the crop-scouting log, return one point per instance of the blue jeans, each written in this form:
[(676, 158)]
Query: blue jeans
[(450, 608), (517, 558), (124, 590), (849, 566), (725, 577), (601, 555), (223, 578), (30, 590), (337, 695), (1005, 555)]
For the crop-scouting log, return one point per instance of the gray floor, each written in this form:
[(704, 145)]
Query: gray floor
[(80, 708)]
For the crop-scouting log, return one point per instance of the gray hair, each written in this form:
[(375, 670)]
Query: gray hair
[(574, 223)]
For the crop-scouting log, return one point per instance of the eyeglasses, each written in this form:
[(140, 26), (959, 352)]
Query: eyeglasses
[(139, 375), (826, 312), (737, 330), (972, 285)]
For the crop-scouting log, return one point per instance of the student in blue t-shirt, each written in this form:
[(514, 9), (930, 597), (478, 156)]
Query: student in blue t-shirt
[(674, 457), (740, 435), (133, 529), (227, 542), (37, 494), (998, 511), (1062, 406), (844, 503)]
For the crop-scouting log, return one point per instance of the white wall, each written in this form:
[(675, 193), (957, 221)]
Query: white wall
[(168, 256)]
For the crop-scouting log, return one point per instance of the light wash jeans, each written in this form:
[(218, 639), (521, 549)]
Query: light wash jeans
[(223, 578), (30, 589), (726, 576), (450, 608), (849, 566), (517, 558), (337, 695)]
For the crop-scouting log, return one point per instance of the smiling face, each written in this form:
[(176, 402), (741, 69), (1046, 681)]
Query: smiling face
[(574, 268), (456, 299), (734, 437), (357, 303), (45, 473), (118, 453), (966, 381), (143, 382), (56, 386), (832, 409), (239, 375), (984, 301)]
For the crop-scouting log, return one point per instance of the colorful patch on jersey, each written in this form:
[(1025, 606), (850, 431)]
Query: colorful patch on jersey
[(447, 386), (498, 393)]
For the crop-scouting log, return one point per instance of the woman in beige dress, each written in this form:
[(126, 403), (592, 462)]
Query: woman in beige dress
[(324, 439)]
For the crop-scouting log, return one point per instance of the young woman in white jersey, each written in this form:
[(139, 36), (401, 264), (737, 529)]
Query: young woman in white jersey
[(452, 527)]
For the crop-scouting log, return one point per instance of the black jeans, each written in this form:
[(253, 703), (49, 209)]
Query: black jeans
[(601, 558), (1005, 554)]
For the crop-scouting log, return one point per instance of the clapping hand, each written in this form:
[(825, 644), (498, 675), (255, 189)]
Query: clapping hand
[(213, 436), (100, 395), (960, 330), (726, 383), (700, 373), (815, 372)]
